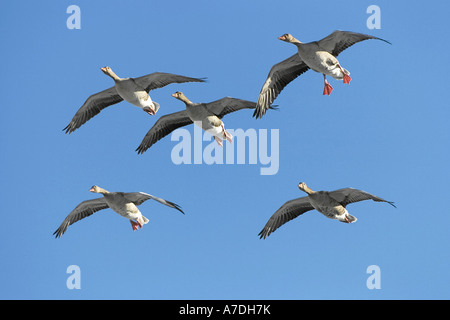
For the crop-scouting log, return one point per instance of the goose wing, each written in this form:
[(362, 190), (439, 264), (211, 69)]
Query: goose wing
[(227, 105), (280, 75), (160, 79), (164, 126), (92, 106), (288, 211), (349, 195), (140, 197), (338, 41), (81, 211)]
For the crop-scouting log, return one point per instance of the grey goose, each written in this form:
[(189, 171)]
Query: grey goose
[(122, 203), (132, 90), (331, 204), (319, 56), (206, 115)]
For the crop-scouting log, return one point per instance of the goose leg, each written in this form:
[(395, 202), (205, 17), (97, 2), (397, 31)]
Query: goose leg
[(219, 141), (227, 135), (135, 225), (149, 110), (347, 78), (327, 88)]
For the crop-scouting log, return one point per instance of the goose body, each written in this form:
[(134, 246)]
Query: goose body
[(206, 115), (132, 90), (136, 95), (329, 207), (332, 204), (125, 204), (319, 60), (319, 56), (206, 120)]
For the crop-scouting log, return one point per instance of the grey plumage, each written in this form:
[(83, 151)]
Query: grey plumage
[(328, 203), (282, 73), (123, 203), (168, 123), (99, 101)]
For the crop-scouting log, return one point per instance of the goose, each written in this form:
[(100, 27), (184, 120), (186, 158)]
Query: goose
[(206, 115), (132, 90), (123, 203), (319, 56), (332, 204)]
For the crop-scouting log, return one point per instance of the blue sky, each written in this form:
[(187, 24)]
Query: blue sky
[(386, 133)]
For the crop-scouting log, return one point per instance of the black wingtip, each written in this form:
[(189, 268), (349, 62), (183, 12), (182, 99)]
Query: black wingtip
[(377, 38), (67, 130), (262, 234), (392, 204), (384, 40), (140, 150), (175, 206), (179, 209), (258, 113), (275, 107)]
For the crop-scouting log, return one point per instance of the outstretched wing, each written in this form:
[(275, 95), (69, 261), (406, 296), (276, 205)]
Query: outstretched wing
[(92, 106), (227, 105), (139, 197), (338, 41), (160, 79), (288, 211), (83, 210), (280, 75), (350, 195), (164, 126)]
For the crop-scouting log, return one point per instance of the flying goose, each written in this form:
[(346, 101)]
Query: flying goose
[(330, 203), (206, 115), (133, 90), (124, 204), (319, 56)]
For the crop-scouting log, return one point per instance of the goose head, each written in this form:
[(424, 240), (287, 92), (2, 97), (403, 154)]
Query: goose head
[(302, 186), (97, 189), (287, 37), (180, 96), (108, 71)]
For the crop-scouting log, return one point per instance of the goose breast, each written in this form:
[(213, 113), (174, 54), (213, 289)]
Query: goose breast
[(129, 91), (322, 202), (119, 204)]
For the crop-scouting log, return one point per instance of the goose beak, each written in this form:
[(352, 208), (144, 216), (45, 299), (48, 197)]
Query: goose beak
[(91, 189), (174, 95), (103, 69)]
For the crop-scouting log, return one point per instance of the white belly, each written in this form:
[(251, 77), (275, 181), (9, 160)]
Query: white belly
[(129, 210), (216, 131), (324, 62), (127, 91)]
